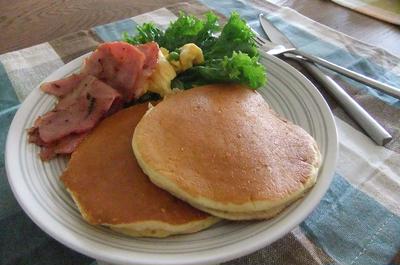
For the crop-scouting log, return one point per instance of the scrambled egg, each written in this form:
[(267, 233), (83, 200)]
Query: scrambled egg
[(190, 54), (165, 71), (160, 81)]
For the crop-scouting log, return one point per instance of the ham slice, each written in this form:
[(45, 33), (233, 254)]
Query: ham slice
[(110, 77), (150, 50), (120, 65), (63, 86), (64, 146), (79, 111), (62, 129)]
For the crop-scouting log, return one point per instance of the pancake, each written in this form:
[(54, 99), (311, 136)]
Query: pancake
[(224, 150), (110, 189), (250, 215), (267, 214)]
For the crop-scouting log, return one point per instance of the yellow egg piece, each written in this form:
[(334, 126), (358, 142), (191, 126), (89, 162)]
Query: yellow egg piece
[(160, 81), (190, 54)]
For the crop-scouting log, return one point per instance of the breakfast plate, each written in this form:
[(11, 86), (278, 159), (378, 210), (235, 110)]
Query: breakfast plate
[(39, 191)]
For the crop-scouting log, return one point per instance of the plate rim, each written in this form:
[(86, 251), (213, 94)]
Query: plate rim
[(242, 248)]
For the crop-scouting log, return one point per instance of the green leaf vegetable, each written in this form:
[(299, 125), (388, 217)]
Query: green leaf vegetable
[(239, 68), (186, 29), (231, 57), (235, 36), (189, 29), (146, 33)]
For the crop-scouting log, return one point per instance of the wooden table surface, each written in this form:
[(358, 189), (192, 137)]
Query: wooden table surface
[(24, 23)]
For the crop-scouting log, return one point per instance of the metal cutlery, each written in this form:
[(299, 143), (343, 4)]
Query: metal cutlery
[(284, 50), (353, 109)]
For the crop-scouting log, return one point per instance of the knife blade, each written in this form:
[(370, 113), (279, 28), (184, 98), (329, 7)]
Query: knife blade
[(372, 128)]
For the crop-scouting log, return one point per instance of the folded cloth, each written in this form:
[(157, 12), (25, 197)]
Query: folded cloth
[(386, 10), (357, 222)]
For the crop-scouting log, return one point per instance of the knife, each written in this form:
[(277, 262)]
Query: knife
[(375, 131)]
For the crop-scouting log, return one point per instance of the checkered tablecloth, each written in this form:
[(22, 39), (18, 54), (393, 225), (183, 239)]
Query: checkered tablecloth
[(358, 220)]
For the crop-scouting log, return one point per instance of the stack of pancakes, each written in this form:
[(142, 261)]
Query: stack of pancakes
[(220, 149)]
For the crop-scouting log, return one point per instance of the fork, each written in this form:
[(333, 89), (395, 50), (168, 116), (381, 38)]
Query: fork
[(293, 53), (374, 130)]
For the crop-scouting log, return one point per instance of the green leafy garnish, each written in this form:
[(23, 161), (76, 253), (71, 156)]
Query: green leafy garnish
[(189, 29), (186, 29), (239, 68), (235, 36), (231, 57), (146, 33)]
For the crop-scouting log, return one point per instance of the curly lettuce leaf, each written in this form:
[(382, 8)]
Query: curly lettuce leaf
[(186, 29), (190, 29), (236, 36), (239, 68), (146, 32), (231, 57)]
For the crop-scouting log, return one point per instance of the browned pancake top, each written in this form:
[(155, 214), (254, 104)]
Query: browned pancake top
[(109, 185), (224, 143)]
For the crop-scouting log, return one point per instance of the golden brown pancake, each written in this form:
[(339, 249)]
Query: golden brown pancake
[(224, 150), (110, 189)]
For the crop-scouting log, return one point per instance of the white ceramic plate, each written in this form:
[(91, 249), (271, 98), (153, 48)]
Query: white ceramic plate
[(37, 187)]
